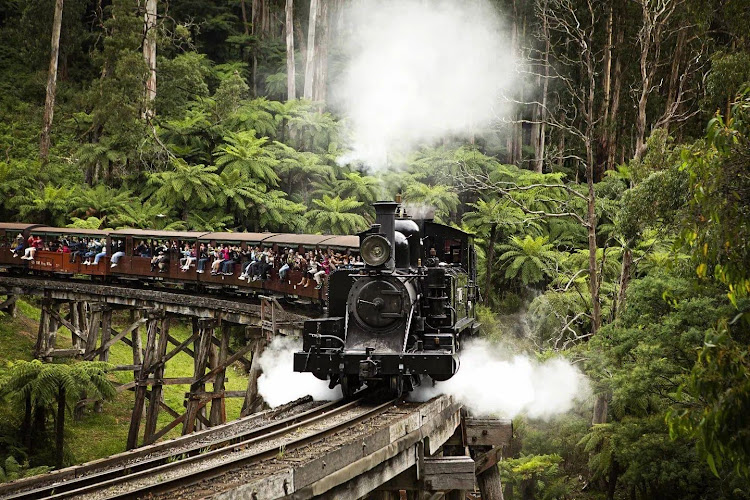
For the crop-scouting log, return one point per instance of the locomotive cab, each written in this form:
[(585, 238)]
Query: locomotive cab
[(395, 320)]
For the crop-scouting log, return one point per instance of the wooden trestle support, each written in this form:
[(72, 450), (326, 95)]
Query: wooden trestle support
[(91, 326)]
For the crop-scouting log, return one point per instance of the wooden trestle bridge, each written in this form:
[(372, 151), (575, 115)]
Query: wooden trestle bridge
[(339, 450)]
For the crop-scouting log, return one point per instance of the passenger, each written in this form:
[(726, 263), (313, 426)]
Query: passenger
[(185, 252), (227, 267), (191, 257), (262, 267), (284, 269), (161, 254), (64, 246), (246, 258), (221, 256), (303, 264), (20, 245), (35, 243), (118, 252), (319, 276), (54, 245), (142, 250), (94, 248), (101, 254), (433, 260), (78, 248), (202, 255)]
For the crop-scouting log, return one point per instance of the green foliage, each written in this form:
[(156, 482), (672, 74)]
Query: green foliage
[(536, 476), (717, 228), (333, 215), (719, 383), (529, 259), (185, 185)]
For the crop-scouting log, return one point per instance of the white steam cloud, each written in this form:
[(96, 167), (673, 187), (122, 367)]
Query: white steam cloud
[(488, 383), (418, 71), (279, 383)]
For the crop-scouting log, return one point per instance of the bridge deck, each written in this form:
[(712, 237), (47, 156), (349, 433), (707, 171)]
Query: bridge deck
[(235, 309)]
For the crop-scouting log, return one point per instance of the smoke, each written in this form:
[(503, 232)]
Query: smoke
[(419, 210), (490, 383), (418, 71), (279, 383)]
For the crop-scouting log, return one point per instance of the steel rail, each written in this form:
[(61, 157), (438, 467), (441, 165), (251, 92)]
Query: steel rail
[(120, 471), (161, 484)]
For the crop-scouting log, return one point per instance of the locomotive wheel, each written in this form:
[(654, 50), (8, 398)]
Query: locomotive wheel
[(396, 386), (349, 385)]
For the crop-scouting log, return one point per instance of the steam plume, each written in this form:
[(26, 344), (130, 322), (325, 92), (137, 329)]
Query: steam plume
[(279, 383), (488, 383), (418, 71)]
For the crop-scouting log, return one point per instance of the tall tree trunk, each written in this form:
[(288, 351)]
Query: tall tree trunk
[(244, 17), (257, 30), (149, 55), (489, 257), (321, 52), (603, 147), (291, 85), (26, 423), (300, 37), (49, 102), (60, 428), (541, 140), (670, 109), (310, 62), (615, 105)]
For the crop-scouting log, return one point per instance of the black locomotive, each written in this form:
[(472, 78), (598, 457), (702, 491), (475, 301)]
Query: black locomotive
[(400, 317)]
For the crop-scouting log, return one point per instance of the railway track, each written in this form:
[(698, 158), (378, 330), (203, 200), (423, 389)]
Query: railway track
[(155, 474)]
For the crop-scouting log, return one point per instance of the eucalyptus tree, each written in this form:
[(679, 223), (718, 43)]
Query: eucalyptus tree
[(333, 215)]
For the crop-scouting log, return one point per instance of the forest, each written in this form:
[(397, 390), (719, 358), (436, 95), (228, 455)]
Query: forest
[(609, 199)]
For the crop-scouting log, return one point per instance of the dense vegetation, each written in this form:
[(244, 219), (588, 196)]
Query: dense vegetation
[(613, 211)]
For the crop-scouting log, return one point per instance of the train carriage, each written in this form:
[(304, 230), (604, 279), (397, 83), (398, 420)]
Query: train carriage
[(245, 241), (9, 232), (132, 266), (53, 259)]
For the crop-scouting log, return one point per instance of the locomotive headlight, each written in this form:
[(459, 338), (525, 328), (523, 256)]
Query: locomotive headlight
[(375, 250)]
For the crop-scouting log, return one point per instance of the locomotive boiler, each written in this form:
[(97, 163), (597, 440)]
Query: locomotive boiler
[(402, 315)]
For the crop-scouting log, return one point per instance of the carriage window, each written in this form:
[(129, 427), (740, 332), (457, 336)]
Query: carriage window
[(452, 252)]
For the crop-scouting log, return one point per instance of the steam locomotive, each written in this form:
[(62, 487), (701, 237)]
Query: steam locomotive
[(403, 315)]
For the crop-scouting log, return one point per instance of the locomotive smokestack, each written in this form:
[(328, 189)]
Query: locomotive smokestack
[(385, 215)]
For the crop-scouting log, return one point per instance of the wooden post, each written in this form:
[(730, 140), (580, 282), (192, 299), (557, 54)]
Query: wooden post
[(74, 320), (92, 332), (104, 355), (253, 402), (142, 382), (218, 406), (489, 484), (152, 414), (42, 335), (194, 410), (52, 324), (9, 304)]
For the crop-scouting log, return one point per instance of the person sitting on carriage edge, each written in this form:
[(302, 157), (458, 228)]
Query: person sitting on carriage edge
[(433, 260)]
